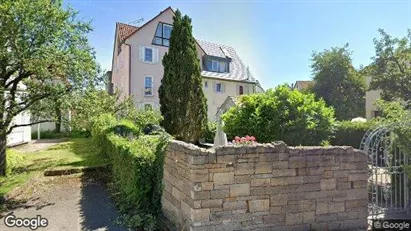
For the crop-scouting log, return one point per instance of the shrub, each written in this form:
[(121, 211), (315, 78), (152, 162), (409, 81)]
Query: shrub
[(99, 129), (137, 171), (59, 135), (144, 117), (137, 168), (349, 133), (280, 114), (210, 132)]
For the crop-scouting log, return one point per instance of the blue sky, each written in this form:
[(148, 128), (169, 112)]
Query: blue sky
[(275, 38)]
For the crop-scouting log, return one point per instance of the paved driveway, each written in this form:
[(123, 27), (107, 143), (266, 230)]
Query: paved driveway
[(68, 203)]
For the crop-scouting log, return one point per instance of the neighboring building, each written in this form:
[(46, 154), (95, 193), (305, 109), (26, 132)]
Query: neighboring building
[(137, 69), (229, 102), (20, 135), (371, 111), (302, 85)]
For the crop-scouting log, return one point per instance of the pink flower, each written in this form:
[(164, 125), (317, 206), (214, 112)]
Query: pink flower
[(243, 139), (237, 138), (247, 137), (252, 138)]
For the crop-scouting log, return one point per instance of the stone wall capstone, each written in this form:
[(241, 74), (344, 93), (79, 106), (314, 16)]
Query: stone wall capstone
[(265, 187)]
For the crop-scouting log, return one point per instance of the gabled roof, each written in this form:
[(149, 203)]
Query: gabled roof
[(238, 71), (168, 8), (124, 31), (302, 85)]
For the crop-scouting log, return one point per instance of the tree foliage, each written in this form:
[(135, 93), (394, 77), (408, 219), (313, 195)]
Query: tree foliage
[(44, 52), (280, 114), (390, 69), (338, 82), (183, 104)]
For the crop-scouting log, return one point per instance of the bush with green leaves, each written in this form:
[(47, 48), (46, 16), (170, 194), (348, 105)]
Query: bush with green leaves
[(349, 133), (280, 114), (136, 162), (210, 132), (60, 135)]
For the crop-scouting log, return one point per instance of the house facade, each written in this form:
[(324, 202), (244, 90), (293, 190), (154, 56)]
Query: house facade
[(137, 69)]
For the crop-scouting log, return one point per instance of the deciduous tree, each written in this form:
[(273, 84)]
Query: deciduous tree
[(391, 67), (338, 82), (44, 52)]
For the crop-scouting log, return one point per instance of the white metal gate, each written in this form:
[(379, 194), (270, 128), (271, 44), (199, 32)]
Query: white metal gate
[(388, 184)]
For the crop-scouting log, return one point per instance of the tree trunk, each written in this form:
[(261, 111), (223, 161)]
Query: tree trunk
[(3, 163), (58, 121)]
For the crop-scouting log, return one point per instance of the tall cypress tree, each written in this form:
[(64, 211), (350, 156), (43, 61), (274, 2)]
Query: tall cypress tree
[(182, 101)]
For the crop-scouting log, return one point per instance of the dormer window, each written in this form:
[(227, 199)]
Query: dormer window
[(163, 34), (215, 65)]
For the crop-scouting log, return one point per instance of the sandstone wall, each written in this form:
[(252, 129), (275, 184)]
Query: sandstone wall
[(265, 187)]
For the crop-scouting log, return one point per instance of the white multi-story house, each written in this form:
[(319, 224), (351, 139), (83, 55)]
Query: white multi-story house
[(137, 69)]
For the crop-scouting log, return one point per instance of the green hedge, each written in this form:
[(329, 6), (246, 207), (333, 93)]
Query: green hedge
[(349, 133), (59, 135), (210, 132), (137, 169)]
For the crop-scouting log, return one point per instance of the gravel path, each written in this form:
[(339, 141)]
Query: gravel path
[(68, 203)]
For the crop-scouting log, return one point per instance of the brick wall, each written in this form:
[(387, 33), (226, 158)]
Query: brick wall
[(265, 187)]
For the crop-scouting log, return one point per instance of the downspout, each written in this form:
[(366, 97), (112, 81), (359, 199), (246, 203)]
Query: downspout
[(129, 69)]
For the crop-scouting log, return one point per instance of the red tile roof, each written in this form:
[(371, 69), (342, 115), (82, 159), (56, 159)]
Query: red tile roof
[(302, 85), (124, 30)]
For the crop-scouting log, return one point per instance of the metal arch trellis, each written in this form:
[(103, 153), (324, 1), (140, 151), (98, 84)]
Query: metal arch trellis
[(388, 184)]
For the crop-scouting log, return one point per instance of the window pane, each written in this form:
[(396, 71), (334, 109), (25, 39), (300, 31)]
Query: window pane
[(159, 30), (215, 66), (167, 31), (166, 42), (157, 41), (205, 84), (241, 90), (223, 67), (209, 65), (148, 55), (218, 87)]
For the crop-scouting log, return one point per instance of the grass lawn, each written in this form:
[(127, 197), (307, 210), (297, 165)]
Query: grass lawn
[(78, 152)]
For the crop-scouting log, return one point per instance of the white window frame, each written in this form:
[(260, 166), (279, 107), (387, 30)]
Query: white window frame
[(221, 88), (217, 65), (152, 55), (152, 85)]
